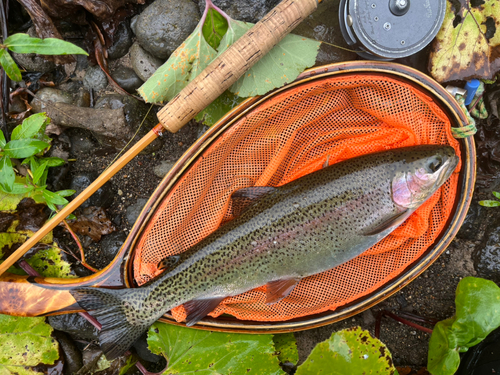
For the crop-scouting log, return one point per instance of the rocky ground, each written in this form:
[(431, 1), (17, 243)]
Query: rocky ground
[(143, 41)]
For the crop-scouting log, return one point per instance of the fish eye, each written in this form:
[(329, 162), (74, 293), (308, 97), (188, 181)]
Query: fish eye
[(435, 164)]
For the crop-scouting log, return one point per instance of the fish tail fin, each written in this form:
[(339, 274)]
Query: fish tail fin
[(120, 326)]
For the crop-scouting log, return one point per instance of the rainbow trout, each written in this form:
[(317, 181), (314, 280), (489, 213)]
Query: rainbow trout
[(279, 236)]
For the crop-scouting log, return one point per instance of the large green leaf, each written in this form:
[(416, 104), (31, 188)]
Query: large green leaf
[(286, 347), (2, 139), (350, 351), (7, 175), (22, 148), (210, 353), (10, 66), (30, 126), (477, 315), (23, 43), (8, 201), (466, 46), (218, 108), (25, 342), (183, 65), (281, 65)]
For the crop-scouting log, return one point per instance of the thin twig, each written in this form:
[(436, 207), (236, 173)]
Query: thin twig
[(80, 247), (399, 319)]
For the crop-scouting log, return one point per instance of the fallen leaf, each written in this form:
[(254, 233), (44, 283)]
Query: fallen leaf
[(467, 45), (92, 222)]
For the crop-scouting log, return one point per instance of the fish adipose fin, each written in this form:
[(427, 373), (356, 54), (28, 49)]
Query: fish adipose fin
[(197, 309), (169, 262), (117, 334), (392, 222), (279, 289), (243, 198)]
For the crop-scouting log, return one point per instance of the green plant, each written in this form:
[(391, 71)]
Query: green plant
[(29, 142), (477, 315), (23, 43), (490, 203)]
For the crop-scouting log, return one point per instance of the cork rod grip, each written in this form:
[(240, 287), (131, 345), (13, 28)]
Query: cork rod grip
[(236, 60)]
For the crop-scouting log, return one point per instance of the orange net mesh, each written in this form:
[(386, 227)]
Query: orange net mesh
[(288, 136)]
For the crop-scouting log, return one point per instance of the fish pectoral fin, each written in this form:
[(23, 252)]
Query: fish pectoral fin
[(168, 262), (279, 289), (197, 309), (243, 198), (391, 222)]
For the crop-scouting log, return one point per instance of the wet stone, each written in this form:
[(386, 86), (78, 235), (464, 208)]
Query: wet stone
[(122, 41), (143, 63), (134, 210), (74, 325), (127, 79), (162, 169), (323, 25), (103, 197), (95, 78), (164, 25), (243, 10), (49, 94), (111, 244), (486, 255)]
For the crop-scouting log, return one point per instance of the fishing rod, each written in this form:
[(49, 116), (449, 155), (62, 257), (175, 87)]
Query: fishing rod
[(223, 72)]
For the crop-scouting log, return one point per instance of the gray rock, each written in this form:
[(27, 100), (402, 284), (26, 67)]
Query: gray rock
[(72, 356), (134, 210), (33, 63), (127, 78), (134, 112), (122, 41), (244, 10), (323, 25), (162, 169), (143, 63), (133, 23), (95, 78), (486, 255), (48, 95), (164, 25), (111, 244), (74, 325), (103, 197)]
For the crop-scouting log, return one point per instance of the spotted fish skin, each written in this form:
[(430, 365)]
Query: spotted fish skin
[(305, 227)]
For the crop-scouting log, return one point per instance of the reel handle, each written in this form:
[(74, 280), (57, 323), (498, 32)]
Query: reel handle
[(236, 60)]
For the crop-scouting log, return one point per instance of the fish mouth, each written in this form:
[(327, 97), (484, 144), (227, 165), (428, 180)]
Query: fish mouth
[(447, 169)]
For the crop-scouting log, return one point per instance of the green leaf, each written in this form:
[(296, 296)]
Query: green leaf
[(54, 198), (489, 203), (189, 350), (281, 65), (9, 201), (350, 351), (30, 126), (65, 193), (214, 28), (218, 108), (7, 175), (10, 66), (50, 264), (477, 315), (53, 161), (462, 48), (25, 342), (39, 172), (183, 65), (496, 194), (22, 148), (23, 43), (2, 139), (286, 347)]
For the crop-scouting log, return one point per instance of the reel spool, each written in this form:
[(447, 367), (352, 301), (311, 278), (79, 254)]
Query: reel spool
[(390, 29)]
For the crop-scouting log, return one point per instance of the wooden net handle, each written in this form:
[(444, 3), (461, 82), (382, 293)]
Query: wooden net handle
[(236, 60)]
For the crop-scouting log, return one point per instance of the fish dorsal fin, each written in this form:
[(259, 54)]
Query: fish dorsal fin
[(197, 309), (279, 289), (391, 222), (243, 198), (169, 262)]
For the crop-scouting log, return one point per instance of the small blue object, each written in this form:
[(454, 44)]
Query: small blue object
[(471, 87)]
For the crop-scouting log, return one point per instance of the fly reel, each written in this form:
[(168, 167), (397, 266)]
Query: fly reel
[(390, 29)]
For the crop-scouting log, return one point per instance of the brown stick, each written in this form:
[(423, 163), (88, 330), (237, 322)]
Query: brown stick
[(198, 94), (84, 195)]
